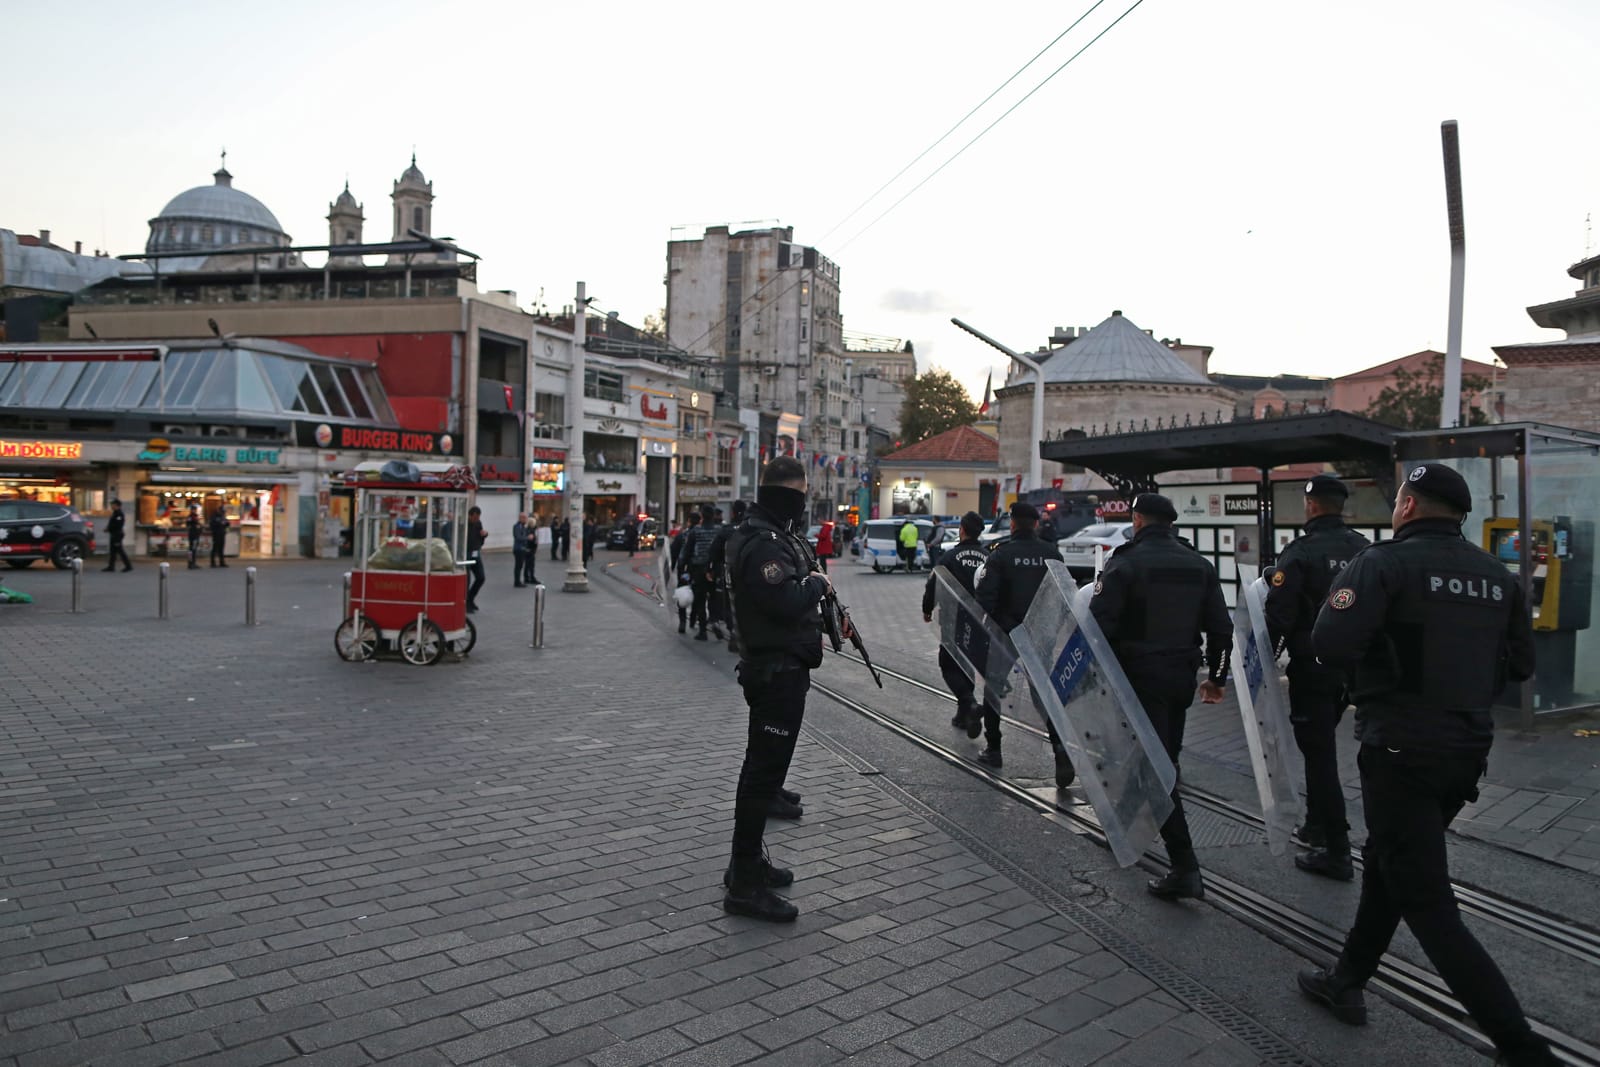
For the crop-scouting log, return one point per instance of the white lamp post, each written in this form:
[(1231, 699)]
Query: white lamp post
[(1035, 461)]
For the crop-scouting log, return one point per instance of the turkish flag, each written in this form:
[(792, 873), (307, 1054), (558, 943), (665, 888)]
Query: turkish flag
[(511, 403)]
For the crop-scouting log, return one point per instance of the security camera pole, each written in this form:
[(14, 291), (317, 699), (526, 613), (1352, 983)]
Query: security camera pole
[(577, 578), (1035, 463), (1450, 403)]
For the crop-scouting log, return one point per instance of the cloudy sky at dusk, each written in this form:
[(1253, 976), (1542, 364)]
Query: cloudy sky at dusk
[(1259, 176)]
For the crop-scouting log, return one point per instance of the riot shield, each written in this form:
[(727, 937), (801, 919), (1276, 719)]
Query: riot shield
[(665, 580), (1079, 684), (980, 648), (1264, 708)]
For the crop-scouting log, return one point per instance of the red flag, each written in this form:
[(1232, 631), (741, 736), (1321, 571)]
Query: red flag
[(988, 392), (510, 398)]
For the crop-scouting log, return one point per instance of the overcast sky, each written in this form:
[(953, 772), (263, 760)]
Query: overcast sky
[(1261, 176)]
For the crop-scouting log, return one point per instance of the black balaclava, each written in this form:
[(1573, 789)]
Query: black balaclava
[(782, 503)]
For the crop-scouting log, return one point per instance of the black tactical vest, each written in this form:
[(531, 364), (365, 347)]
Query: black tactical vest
[(1162, 621), (1327, 547), (765, 640)]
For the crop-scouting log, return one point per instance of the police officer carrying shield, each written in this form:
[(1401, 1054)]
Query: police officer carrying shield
[(1005, 589), (1430, 627), (775, 596), (1155, 599), (1296, 590), (962, 562)]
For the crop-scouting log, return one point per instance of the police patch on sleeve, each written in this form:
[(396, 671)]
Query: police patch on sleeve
[(1099, 587), (1341, 599), (772, 571), (1277, 577)]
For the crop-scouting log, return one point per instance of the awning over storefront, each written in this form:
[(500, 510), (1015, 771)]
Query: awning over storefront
[(211, 478)]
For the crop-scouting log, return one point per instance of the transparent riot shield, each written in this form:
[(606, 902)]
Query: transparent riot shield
[(1264, 708), (1079, 684), (980, 648), (665, 580)]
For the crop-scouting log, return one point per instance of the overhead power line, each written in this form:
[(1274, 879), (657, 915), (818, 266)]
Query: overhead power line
[(935, 173), (962, 121)]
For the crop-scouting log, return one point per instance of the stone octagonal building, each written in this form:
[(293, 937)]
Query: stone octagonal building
[(1114, 373)]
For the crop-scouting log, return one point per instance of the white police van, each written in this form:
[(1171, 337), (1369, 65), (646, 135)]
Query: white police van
[(880, 545)]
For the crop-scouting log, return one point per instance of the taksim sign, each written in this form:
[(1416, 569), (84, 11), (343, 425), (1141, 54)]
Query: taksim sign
[(41, 449)]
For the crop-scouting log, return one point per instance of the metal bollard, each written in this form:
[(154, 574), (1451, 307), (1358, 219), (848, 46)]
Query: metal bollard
[(347, 594), (161, 591), (538, 617), (77, 586), (249, 596)]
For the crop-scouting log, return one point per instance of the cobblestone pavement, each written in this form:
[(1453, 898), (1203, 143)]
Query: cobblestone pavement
[(1541, 796), (222, 845)]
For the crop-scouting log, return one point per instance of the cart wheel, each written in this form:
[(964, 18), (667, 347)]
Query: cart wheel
[(356, 641), (462, 645), (423, 647)]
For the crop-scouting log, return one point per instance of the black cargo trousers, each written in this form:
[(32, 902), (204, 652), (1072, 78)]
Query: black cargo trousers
[(1165, 689), (1316, 703), (776, 697)]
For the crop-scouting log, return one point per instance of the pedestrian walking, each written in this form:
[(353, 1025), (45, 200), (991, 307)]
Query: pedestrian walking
[(1154, 601), (475, 539), (115, 527), (550, 535), (193, 527), (963, 563), (935, 535), (1296, 589), (906, 539), (631, 536), (720, 615), (587, 530), (520, 548), (679, 561), (219, 537), (1011, 576), (698, 546), (1430, 627), (776, 598), (824, 545), (564, 536)]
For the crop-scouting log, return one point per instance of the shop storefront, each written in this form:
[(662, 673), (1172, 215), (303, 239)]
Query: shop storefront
[(50, 472)]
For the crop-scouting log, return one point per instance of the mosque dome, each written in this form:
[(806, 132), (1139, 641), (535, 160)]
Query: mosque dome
[(210, 218), (1118, 351)]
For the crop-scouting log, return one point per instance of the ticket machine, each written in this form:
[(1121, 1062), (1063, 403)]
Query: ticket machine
[(1562, 555)]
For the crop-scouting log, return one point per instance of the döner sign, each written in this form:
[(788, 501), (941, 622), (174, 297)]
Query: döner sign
[(41, 450)]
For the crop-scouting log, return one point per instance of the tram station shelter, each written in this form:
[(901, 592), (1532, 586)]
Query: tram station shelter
[(1535, 491)]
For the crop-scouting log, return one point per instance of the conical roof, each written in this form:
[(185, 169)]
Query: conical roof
[(1118, 351)]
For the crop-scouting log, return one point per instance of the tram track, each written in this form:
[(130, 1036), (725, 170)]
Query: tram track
[(1417, 990)]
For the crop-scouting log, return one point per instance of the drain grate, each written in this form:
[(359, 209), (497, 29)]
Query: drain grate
[(1211, 829)]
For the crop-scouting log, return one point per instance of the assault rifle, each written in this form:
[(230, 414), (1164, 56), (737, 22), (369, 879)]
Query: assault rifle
[(836, 623)]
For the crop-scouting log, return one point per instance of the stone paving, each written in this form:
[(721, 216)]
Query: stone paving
[(222, 845), (1541, 796)]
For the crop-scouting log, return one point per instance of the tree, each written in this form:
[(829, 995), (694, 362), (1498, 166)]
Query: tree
[(1413, 401), (655, 325), (935, 402)]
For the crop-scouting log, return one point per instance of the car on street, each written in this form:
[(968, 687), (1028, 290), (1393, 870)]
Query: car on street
[(31, 530), (1078, 551), (648, 531), (880, 546), (997, 531)]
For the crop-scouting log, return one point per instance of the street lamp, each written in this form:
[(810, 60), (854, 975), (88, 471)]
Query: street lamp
[(1035, 462)]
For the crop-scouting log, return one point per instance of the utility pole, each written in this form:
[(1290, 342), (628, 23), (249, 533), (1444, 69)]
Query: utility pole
[(1450, 403), (1035, 461), (577, 578)]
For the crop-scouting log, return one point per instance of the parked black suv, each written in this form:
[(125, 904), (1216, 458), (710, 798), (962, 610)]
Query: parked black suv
[(30, 531)]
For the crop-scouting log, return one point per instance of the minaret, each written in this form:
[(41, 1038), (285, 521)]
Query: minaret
[(345, 219), (413, 206)]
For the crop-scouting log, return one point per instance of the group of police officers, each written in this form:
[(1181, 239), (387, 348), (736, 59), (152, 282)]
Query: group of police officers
[(1419, 632)]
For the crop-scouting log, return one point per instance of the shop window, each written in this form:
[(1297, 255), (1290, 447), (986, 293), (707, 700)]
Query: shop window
[(549, 416), (603, 385), (611, 453)]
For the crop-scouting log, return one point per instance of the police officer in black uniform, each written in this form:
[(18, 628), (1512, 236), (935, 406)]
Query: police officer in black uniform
[(115, 527), (698, 546), (1430, 627), (1154, 600), (1005, 589), (962, 562), (775, 593), (719, 551), (1296, 590)]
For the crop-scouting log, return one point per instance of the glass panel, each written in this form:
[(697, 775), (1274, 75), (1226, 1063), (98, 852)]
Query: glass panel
[(330, 390), (285, 378), (254, 392), (1565, 478), (221, 392), (180, 366), (84, 386), (56, 395), (376, 397), (140, 390), (352, 392), (204, 364), (307, 398), (40, 377)]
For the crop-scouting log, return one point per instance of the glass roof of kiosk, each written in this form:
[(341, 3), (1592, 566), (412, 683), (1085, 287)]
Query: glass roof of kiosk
[(255, 378)]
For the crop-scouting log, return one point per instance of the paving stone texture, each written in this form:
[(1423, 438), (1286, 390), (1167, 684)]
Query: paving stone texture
[(222, 845)]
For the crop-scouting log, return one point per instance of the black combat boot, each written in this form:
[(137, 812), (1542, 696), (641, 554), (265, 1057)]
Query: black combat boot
[(990, 757), (701, 636), (789, 794), (1066, 774), (1310, 836), (1182, 881), (779, 808), (963, 712), (1336, 993), (771, 877), (1332, 861), (749, 892), (1525, 1050)]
